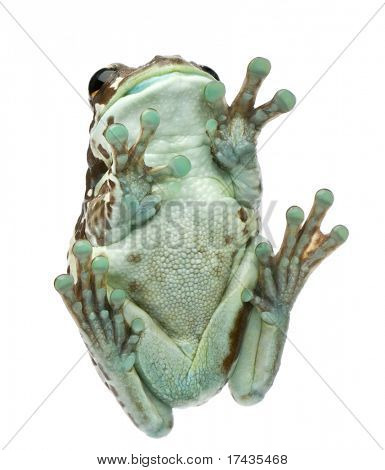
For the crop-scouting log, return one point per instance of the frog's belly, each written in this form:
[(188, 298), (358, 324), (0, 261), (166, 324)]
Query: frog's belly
[(177, 266)]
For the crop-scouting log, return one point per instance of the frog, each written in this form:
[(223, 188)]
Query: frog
[(173, 287)]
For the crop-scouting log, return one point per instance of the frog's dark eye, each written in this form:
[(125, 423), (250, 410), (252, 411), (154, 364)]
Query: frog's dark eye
[(99, 78), (211, 72)]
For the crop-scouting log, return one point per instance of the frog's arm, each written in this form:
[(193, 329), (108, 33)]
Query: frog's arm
[(123, 198), (234, 130), (110, 342), (280, 279)]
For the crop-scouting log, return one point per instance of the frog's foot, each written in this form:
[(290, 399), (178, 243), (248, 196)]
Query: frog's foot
[(280, 279), (303, 248), (234, 129), (126, 200), (109, 340)]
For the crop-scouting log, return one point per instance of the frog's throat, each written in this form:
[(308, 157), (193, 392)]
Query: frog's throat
[(155, 73), (183, 113)]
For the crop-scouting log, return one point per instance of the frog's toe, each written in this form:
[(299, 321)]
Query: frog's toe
[(65, 285), (214, 94), (178, 167), (149, 122), (131, 160), (99, 268), (117, 136), (257, 70), (282, 102)]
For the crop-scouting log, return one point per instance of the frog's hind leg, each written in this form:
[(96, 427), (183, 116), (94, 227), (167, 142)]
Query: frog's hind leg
[(110, 342), (280, 279)]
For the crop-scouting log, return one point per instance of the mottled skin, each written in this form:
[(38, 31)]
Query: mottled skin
[(173, 289)]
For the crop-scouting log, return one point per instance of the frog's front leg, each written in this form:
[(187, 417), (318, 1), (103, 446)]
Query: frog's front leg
[(110, 342), (124, 198), (280, 279), (234, 130)]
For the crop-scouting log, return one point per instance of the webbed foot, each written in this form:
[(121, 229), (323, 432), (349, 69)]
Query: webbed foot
[(281, 277), (110, 341)]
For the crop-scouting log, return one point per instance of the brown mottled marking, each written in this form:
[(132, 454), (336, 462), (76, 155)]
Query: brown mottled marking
[(113, 390), (103, 372), (93, 361), (121, 404), (104, 95), (134, 258), (103, 151), (110, 120), (96, 170), (228, 239), (134, 285), (236, 336), (242, 214), (106, 384), (315, 242)]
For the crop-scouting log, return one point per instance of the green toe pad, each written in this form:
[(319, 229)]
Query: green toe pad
[(63, 283), (285, 100), (295, 215), (100, 265), (340, 233), (246, 295), (260, 67), (214, 91), (324, 197), (150, 118), (211, 126), (263, 250), (180, 166), (137, 325), (117, 298), (82, 249), (116, 135)]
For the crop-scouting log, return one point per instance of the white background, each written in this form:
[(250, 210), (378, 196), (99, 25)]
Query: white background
[(334, 139)]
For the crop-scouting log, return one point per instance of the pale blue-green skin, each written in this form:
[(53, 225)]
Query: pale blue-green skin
[(187, 263)]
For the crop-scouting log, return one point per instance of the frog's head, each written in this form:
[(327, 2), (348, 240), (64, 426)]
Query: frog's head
[(110, 83), (119, 94)]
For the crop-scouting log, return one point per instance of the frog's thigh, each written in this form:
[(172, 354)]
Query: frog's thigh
[(219, 344), (159, 361), (258, 360)]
